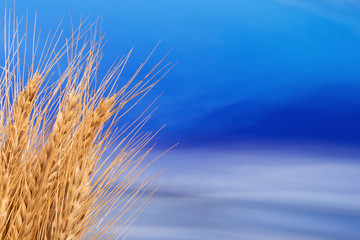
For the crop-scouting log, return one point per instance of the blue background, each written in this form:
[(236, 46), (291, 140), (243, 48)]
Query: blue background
[(264, 102)]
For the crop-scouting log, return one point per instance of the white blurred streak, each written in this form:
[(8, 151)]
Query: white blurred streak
[(236, 195), (342, 11)]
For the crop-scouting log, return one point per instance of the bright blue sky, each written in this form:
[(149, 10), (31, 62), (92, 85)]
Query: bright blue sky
[(265, 76), (283, 70)]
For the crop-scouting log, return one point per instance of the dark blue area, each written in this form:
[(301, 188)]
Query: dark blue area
[(330, 114)]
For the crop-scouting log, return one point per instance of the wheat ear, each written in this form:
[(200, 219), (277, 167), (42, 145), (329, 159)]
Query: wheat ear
[(16, 140)]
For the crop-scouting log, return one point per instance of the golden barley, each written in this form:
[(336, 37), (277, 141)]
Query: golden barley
[(56, 181)]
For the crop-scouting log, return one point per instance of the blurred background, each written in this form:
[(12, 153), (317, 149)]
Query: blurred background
[(264, 101)]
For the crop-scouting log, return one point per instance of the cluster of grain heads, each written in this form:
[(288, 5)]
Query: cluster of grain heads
[(57, 177)]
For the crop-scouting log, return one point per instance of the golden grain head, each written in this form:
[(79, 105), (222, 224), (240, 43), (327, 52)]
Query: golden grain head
[(56, 182)]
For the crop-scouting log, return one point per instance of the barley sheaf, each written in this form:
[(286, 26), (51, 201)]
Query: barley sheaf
[(67, 170)]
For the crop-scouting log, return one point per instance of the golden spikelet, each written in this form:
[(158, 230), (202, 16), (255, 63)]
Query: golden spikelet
[(56, 181), (11, 155)]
